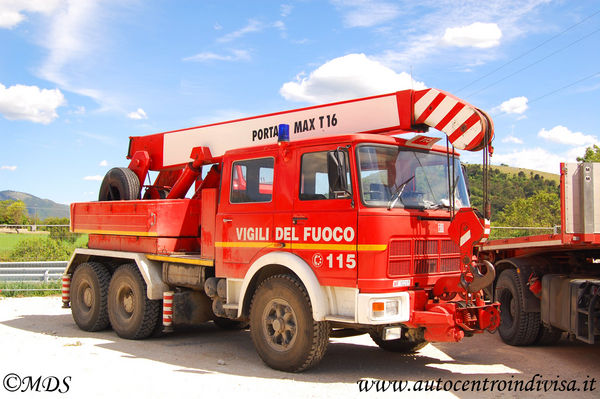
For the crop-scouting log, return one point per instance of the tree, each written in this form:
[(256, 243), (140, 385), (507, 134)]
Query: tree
[(592, 154), (16, 213), (540, 210), (60, 229)]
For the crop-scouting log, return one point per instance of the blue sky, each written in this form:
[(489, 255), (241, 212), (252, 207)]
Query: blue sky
[(78, 77)]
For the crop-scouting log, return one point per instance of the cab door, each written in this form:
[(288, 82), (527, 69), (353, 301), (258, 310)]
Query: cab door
[(244, 222), (324, 217)]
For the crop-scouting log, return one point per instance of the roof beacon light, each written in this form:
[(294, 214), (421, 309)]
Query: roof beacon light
[(284, 133)]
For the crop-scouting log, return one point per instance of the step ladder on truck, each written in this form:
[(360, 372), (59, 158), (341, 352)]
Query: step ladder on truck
[(302, 224)]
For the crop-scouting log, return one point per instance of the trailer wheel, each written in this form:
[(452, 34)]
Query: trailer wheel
[(282, 327), (548, 335), (517, 327), (131, 313), (119, 184), (400, 345), (89, 292)]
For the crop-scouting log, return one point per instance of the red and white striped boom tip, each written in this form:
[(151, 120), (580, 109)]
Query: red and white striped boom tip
[(467, 127)]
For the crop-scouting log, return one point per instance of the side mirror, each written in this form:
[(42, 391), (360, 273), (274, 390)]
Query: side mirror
[(466, 177), (337, 170)]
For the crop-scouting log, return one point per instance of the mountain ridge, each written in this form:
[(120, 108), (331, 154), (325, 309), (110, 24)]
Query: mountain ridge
[(36, 206)]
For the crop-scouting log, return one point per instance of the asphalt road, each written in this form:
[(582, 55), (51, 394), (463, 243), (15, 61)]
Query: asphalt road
[(39, 342)]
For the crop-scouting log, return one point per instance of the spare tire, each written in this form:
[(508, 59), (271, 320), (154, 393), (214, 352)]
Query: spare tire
[(119, 184)]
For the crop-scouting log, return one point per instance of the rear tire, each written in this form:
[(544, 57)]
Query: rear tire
[(119, 184), (548, 335), (131, 313), (517, 327), (282, 327), (89, 293), (401, 345)]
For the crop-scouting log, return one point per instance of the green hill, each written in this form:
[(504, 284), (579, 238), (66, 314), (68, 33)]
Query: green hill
[(43, 208), (508, 184), (511, 170)]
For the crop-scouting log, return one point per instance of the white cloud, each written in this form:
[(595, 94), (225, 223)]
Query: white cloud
[(512, 139), (93, 178), (79, 110), (30, 103), (236, 55), (478, 34), (252, 26), (531, 158), (516, 105), (103, 163), (366, 13), (74, 36), (350, 76), (562, 135), (415, 45), (12, 12), (285, 10), (137, 114), (6, 167)]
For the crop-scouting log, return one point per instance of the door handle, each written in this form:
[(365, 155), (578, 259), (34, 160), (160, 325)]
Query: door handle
[(227, 220), (296, 219)]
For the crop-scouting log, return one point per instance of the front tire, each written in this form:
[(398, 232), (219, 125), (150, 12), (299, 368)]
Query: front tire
[(89, 293), (131, 313), (517, 327), (282, 327)]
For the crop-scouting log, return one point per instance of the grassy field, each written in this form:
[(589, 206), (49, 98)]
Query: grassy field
[(23, 289), (8, 241)]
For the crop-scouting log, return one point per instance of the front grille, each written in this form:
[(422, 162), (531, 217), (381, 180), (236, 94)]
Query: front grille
[(419, 256)]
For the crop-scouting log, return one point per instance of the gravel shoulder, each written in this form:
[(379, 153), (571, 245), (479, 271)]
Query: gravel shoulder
[(39, 338)]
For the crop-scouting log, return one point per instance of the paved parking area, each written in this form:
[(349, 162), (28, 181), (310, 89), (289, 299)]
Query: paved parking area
[(39, 339)]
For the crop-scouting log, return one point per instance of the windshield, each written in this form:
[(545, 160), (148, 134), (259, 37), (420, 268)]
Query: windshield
[(397, 177)]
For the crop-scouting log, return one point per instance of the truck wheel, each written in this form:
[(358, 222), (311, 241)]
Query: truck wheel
[(401, 345), (89, 291), (131, 313), (548, 335), (282, 327), (119, 184), (517, 327)]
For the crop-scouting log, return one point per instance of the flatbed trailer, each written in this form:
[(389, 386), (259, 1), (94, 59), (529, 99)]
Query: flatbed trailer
[(550, 284)]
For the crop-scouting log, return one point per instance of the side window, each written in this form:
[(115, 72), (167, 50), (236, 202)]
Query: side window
[(317, 174), (252, 181)]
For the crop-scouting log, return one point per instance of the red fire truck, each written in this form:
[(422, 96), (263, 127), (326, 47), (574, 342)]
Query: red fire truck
[(550, 284), (301, 224)]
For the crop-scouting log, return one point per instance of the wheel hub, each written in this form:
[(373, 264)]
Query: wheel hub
[(279, 324), (128, 302), (88, 296)]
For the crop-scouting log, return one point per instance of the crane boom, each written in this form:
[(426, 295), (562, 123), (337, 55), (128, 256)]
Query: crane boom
[(405, 111)]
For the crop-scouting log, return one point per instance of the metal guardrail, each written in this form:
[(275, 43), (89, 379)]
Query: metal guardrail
[(31, 271)]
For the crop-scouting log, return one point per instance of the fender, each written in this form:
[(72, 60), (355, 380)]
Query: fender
[(151, 270), (524, 267), (296, 264)]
